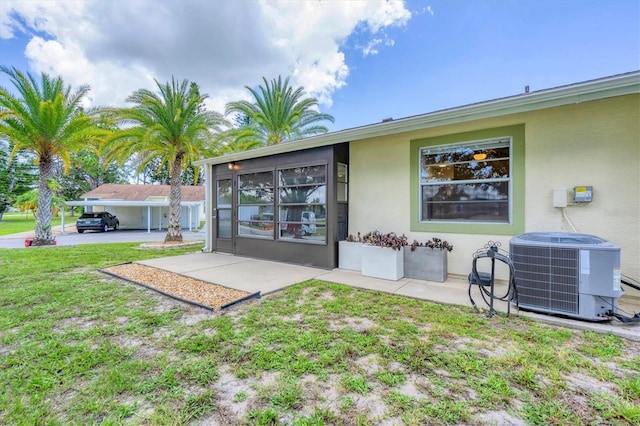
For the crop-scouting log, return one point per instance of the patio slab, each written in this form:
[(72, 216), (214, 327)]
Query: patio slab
[(190, 263), (240, 273), (253, 275)]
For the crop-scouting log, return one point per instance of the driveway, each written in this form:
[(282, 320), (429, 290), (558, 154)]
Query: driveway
[(73, 238)]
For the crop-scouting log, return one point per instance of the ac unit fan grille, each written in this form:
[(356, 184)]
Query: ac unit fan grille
[(547, 278)]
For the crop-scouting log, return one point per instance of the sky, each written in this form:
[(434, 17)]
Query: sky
[(365, 61)]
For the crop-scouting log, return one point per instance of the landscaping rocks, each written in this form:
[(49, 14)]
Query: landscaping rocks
[(200, 292)]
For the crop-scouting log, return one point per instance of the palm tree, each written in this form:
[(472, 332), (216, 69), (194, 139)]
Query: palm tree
[(172, 126), (277, 114), (46, 119)]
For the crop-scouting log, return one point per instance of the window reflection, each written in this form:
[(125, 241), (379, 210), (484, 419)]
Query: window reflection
[(255, 221), (466, 182), (303, 194), (224, 193), (302, 204), (255, 180), (342, 179), (256, 196), (224, 197), (224, 223), (256, 205), (303, 175)]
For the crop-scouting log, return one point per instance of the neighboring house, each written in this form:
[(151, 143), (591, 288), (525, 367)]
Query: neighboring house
[(471, 174), (145, 206)]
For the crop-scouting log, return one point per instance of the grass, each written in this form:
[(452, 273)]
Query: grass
[(15, 222), (79, 347)]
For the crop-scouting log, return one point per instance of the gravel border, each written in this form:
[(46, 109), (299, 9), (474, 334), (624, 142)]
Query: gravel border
[(185, 289)]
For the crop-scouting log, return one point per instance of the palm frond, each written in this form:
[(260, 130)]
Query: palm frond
[(278, 113), (45, 118)]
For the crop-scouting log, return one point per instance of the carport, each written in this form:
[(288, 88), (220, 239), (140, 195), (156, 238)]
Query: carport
[(148, 209)]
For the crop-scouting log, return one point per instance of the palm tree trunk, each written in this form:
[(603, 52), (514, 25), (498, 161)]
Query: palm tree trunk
[(174, 231), (43, 212)]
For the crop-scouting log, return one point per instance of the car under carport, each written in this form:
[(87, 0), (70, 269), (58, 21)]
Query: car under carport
[(149, 214)]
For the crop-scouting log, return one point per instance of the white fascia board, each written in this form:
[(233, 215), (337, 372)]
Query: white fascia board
[(620, 85)]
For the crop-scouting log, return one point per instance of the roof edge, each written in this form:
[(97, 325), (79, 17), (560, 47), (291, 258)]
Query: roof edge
[(111, 203), (616, 85)]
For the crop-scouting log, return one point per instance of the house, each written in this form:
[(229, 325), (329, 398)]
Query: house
[(471, 174), (145, 206)]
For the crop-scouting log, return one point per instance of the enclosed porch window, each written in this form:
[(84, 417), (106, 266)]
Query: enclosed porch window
[(302, 204), (256, 205)]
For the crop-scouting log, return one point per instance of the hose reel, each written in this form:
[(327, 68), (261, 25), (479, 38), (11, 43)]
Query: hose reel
[(486, 281)]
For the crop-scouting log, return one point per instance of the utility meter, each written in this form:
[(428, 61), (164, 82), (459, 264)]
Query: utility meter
[(582, 194)]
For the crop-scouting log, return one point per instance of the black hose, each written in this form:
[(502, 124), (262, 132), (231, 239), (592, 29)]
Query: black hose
[(623, 318), (627, 283)]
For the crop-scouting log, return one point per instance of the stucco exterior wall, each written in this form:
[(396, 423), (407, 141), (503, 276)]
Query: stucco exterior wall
[(593, 143)]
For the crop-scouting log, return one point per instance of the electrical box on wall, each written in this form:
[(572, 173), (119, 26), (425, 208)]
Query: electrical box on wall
[(582, 194), (560, 197)]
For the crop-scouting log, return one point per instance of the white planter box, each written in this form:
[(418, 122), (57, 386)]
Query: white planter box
[(350, 255), (425, 263), (382, 262)]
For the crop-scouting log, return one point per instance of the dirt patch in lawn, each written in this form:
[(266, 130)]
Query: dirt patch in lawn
[(203, 293)]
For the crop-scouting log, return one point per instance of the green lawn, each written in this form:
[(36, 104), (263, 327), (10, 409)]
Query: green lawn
[(80, 347), (14, 222)]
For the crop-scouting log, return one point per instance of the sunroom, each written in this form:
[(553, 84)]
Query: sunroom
[(290, 207)]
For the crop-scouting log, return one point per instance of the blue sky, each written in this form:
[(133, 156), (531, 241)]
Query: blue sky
[(470, 51), (365, 61)]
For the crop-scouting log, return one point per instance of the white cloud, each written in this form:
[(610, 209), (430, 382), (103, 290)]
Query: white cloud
[(117, 47), (370, 48)]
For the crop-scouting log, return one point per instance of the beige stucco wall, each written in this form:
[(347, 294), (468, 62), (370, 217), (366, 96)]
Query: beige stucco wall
[(591, 143)]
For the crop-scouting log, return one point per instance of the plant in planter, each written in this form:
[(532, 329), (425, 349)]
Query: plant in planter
[(390, 240), (380, 262), (434, 243), (356, 239), (427, 261), (350, 253)]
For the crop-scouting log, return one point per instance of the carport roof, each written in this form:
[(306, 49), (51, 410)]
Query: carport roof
[(122, 203), (131, 192)]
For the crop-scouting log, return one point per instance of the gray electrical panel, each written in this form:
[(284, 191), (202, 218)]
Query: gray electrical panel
[(582, 194)]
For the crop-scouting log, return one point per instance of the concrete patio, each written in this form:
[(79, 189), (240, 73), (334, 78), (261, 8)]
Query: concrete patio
[(253, 275)]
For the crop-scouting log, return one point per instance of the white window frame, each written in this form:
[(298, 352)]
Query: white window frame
[(474, 145)]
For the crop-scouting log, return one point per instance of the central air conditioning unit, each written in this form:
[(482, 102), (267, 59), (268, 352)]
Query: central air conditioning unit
[(576, 275)]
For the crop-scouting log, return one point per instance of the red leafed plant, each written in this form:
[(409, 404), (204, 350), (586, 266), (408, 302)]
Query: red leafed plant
[(434, 243), (390, 240)]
